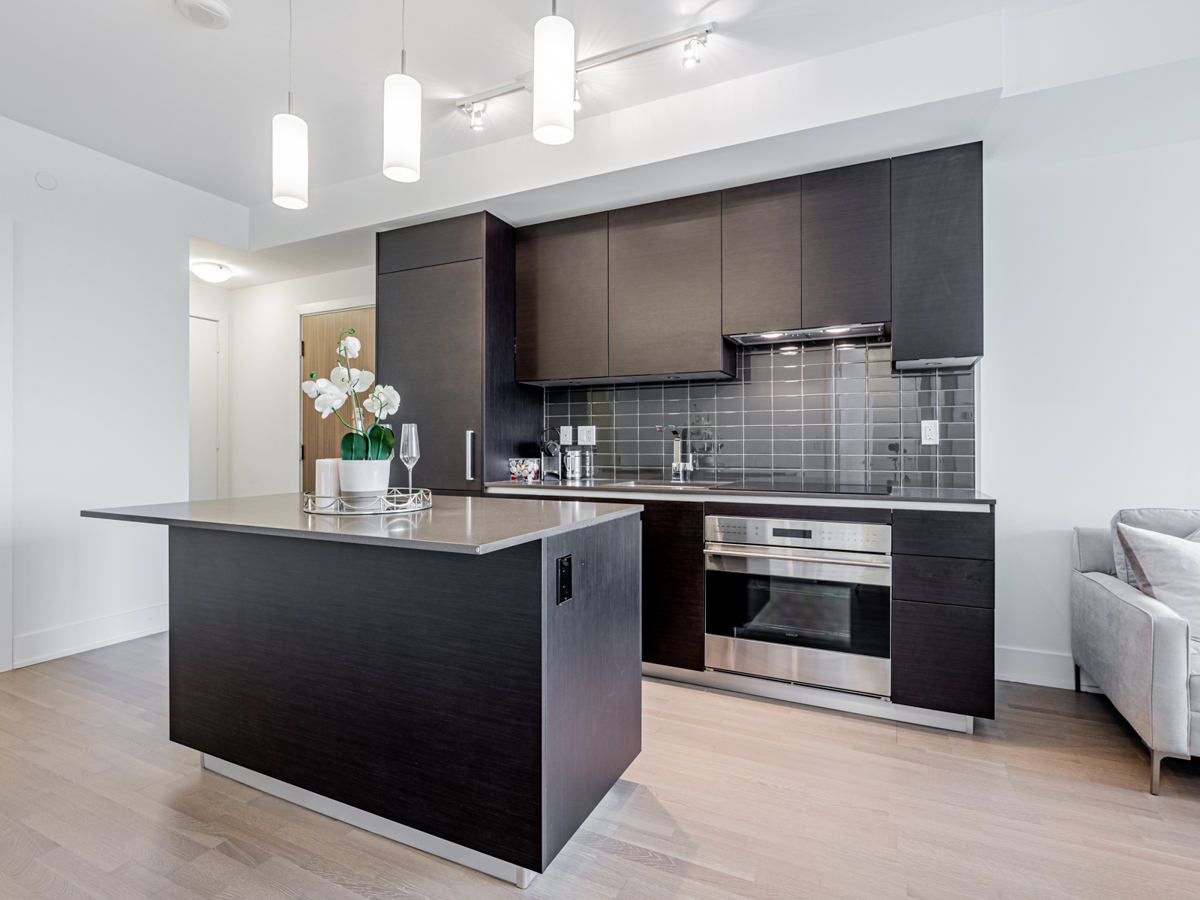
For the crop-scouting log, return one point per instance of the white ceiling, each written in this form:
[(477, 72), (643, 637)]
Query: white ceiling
[(135, 80)]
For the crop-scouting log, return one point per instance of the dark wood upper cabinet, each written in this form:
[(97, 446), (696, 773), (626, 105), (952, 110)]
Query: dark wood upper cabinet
[(846, 252), (937, 255), (431, 244), (664, 290), (761, 257), (562, 300), (444, 340)]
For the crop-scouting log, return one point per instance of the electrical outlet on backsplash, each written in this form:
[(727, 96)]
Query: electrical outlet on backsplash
[(825, 411)]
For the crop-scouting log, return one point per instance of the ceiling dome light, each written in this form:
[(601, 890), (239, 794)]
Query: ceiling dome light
[(213, 273), (553, 79), (205, 13), (691, 51), (402, 120), (289, 149)]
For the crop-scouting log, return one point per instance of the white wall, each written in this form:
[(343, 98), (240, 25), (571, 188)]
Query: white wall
[(264, 408), (1090, 397), (6, 444), (100, 382)]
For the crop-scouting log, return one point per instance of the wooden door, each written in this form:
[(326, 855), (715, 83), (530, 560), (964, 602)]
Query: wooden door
[(760, 257), (322, 438), (664, 296), (431, 351), (562, 299), (847, 245)]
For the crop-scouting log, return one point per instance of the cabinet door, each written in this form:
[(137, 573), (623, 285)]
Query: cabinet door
[(937, 254), (429, 346), (847, 255), (760, 257), (562, 299), (673, 584), (664, 298), (431, 244), (944, 657)]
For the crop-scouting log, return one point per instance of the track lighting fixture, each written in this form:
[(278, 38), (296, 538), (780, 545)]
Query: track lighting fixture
[(577, 105), (691, 51), (475, 111)]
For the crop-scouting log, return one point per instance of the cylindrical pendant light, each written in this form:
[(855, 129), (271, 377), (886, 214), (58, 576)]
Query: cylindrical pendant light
[(402, 120), (553, 79), (289, 161), (289, 149)]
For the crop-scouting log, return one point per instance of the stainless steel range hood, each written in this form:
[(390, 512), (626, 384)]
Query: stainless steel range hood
[(807, 334)]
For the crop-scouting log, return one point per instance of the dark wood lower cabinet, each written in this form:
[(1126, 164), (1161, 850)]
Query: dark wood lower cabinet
[(944, 658), (936, 579), (673, 584)]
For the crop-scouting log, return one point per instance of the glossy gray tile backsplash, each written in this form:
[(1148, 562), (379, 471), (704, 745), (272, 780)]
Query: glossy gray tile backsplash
[(827, 411)]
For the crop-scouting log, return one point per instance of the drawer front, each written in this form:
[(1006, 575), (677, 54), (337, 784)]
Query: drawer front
[(808, 513), (944, 658), (919, 532), (931, 579)]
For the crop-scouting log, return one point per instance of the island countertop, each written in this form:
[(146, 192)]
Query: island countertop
[(474, 525)]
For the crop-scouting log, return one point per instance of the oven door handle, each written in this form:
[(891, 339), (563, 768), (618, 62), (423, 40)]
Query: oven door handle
[(750, 554)]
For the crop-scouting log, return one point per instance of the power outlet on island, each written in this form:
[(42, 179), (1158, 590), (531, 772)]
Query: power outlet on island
[(929, 431), (587, 435)]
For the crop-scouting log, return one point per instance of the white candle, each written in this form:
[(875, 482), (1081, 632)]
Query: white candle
[(328, 484)]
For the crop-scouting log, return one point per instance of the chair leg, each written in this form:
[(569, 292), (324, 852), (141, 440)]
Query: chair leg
[(1077, 678), (1156, 759)]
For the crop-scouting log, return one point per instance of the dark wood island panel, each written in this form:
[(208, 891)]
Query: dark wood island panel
[(449, 693)]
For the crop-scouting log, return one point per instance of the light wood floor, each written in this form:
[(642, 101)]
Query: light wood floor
[(731, 798)]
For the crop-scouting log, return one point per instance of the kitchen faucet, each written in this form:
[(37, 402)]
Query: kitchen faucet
[(681, 460)]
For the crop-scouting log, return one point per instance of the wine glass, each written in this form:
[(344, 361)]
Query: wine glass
[(410, 449)]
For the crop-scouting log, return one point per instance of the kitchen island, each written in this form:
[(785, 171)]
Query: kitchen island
[(464, 679)]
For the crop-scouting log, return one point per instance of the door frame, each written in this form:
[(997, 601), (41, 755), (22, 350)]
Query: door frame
[(7, 352), (362, 301)]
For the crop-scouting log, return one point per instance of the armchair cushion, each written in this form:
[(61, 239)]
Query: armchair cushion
[(1194, 678), (1166, 568), (1176, 522)]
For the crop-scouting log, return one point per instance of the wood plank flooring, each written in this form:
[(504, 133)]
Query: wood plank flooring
[(732, 797)]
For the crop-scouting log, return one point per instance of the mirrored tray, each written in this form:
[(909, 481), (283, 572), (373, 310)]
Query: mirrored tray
[(396, 500)]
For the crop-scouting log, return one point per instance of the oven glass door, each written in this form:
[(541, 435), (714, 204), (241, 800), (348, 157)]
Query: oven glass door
[(821, 600)]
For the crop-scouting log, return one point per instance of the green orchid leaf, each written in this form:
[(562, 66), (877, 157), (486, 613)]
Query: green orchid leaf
[(382, 442), (354, 446)]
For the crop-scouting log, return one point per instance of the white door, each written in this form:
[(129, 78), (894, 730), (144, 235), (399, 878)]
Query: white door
[(203, 410)]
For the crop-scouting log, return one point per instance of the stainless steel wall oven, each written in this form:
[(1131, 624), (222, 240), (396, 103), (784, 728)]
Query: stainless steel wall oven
[(800, 601)]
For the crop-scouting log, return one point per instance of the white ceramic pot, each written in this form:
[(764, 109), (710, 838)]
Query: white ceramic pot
[(366, 478)]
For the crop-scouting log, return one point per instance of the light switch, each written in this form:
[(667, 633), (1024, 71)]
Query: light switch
[(929, 431), (566, 435), (587, 435)]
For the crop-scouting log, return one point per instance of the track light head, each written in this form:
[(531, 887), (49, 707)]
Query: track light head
[(691, 51), (475, 113)]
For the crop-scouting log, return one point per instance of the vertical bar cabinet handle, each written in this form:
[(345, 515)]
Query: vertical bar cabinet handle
[(470, 456)]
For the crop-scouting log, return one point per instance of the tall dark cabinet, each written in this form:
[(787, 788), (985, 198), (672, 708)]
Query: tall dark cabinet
[(847, 255), (664, 290), (445, 340), (562, 300), (761, 257), (937, 256)]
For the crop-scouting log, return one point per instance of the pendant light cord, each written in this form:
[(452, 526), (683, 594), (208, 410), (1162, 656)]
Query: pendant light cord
[(403, 48), (289, 57)]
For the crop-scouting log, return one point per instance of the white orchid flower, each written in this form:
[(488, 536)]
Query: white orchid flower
[(315, 387), (328, 401), (353, 379), (350, 346), (384, 401)]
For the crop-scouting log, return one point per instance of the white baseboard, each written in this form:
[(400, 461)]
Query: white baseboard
[(67, 640), (1039, 667)]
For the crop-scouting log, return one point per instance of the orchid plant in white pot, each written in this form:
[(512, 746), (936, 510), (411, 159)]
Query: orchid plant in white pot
[(366, 452)]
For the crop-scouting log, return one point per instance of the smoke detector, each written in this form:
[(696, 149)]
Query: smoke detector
[(205, 13)]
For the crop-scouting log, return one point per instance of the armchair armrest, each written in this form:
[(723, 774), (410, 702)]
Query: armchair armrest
[(1137, 650), (1092, 551)]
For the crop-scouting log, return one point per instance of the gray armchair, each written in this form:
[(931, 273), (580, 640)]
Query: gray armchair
[(1137, 649)]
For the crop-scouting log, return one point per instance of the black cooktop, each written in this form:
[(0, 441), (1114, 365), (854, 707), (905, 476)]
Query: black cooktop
[(793, 484)]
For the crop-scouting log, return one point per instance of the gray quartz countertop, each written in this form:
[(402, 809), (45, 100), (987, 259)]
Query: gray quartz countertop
[(454, 524), (729, 492)]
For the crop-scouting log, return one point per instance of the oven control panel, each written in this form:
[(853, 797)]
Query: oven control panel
[(861, 537)]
